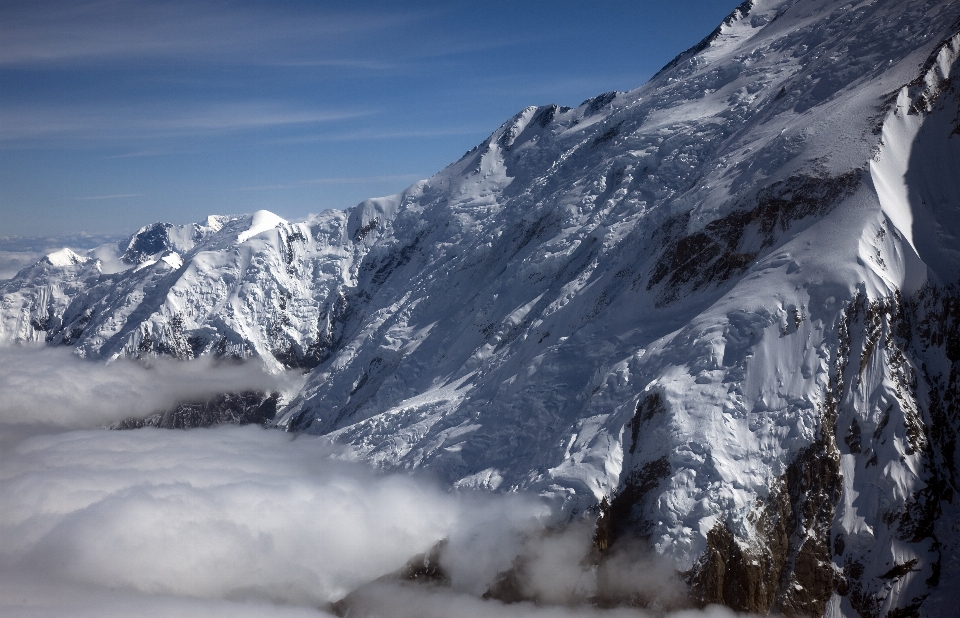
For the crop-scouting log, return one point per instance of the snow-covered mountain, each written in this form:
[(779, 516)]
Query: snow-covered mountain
[(724, 307)]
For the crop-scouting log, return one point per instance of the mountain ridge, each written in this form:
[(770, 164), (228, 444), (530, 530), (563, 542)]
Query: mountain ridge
[(699, 300)]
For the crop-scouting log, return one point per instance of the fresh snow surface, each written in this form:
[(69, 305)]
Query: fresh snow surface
[(261, 221), (65, 257), (509, 322)]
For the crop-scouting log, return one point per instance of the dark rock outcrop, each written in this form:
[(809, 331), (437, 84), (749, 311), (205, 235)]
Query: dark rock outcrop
[(247, 408), (726, 246)]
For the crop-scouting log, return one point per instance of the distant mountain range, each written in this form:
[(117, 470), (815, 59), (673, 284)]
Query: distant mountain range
[(721, 311)]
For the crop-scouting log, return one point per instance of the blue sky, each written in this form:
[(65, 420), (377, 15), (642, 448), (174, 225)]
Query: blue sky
[(118, 113)]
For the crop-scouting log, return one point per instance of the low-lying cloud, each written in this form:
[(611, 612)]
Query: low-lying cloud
[(12, 262), (245, 521), (411, 601), (227, 513), (52, 387), (233, 513)]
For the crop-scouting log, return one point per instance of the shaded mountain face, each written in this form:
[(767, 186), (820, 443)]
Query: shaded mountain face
[(725, 302)]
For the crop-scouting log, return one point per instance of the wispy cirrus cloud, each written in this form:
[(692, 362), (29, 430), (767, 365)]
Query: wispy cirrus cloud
[(113, 196), (46, 33), (50, 32), (382, 134), (346, 180), (373, 65), (107, 122)]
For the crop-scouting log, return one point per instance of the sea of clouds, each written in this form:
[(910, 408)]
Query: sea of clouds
[(245, 521)]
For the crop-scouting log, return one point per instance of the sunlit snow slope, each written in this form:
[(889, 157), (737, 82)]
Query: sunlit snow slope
[(726, 302)]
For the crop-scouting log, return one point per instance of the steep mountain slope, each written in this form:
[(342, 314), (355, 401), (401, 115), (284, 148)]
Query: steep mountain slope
[(725, 301)]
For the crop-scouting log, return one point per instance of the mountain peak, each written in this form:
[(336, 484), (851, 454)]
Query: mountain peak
[(65, 257), (700, 309), (260, 222)]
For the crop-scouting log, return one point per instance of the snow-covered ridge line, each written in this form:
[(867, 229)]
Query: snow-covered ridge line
[(713, 302), (935, 75), (741, 11)]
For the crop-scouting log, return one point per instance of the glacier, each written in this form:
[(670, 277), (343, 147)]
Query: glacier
[(719, 312)]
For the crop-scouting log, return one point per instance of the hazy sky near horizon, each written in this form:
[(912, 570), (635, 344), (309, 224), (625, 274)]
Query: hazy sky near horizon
[(118, 113)]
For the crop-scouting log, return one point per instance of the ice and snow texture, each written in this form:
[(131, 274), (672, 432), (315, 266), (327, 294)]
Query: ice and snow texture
[(697, 239)]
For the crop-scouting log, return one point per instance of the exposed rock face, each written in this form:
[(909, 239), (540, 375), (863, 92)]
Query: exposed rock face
[(909, 422), (720, 310), (423, 569), (802, 550), (246, 408), (725, 247), (148, 242), (788, 568)]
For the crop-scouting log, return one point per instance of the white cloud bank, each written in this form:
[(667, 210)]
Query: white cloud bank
[(12, 262), (243, 521), (52, 387), (233, 513), (221, 513)]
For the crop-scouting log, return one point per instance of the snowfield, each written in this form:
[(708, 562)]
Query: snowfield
[(719, 311)]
